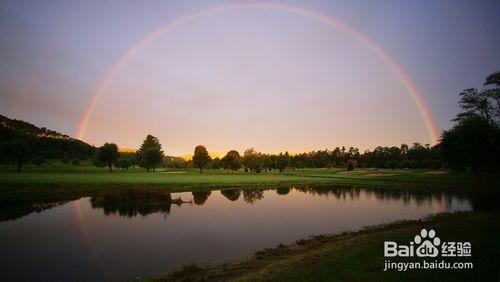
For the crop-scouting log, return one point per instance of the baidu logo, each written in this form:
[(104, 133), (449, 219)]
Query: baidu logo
[(427, 244)]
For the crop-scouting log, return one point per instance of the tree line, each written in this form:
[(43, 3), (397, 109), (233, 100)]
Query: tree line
[(473, 141)]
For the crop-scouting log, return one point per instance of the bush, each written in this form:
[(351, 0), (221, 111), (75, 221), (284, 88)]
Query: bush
[(393, 164), (350, 166), (123, 163), (75, 162), (65, 160), (38, 160)]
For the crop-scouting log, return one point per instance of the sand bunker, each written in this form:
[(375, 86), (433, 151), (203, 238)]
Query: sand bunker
[(174, 172)]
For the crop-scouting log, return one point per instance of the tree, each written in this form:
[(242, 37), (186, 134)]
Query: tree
[(232, 160), (201, 157), (123, 162), (150, 142), (216, 163), (350, 165), (151, 158), (38, 160), (484, 103), (252, 159), (150, 153), (473, 142), (108, 154), (17, 152), (283, 161)]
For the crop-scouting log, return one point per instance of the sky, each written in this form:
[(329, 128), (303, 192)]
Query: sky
[(236, 78)]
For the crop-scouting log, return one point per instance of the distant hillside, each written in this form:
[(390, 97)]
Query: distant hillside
[(43, 141), (213, 155), (127, 150)]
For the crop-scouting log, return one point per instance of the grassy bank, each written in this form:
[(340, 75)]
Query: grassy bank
[(359, 255)]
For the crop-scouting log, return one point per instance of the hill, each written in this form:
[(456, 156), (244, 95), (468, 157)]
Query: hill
[(43, 142)]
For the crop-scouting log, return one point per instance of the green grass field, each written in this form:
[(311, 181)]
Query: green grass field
[(86, 174), (55, 179)]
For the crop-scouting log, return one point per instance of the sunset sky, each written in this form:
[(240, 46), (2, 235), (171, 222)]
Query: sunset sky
[(253, 76)]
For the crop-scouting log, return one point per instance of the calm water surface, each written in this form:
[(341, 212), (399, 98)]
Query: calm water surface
[(101, 238)]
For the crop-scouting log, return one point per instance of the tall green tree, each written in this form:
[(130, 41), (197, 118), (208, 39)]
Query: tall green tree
[(473, 142), (201, 158), (252, 159), (150, 153), (484, 103), (16, 152), (283, 161), (232, 160), (216, 163), (107, 155), (151, 158), (150, 142)]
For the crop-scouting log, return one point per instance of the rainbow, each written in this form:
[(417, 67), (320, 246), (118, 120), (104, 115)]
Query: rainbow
[(86, 236), (326, 19)]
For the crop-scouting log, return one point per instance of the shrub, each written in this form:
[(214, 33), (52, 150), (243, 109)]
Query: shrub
[(38, 160), (350, 166), (65, 160)]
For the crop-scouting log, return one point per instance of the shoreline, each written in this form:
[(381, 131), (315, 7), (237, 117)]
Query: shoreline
[(356, 255)]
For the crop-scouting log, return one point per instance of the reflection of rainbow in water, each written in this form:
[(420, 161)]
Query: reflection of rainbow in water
[(86, 236), (326, 19)]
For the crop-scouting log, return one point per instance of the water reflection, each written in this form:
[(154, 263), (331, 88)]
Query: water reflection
[(144, 201), (11, 210), (231, 194), (131, 202), (104, 232), (283, 191), (252, 195), (200, 197)]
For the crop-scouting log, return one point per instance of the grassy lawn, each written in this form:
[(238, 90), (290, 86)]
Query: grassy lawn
[(57, 174), (359, 255), (54, 182), (55, 179)]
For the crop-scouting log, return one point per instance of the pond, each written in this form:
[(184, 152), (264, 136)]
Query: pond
[(119, 236)]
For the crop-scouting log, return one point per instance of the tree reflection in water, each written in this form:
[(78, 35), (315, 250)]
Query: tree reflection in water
[(10, 210), (144, 201), (252, 195), (283, 191), (200, 197), (131, 202), (231, 194)]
